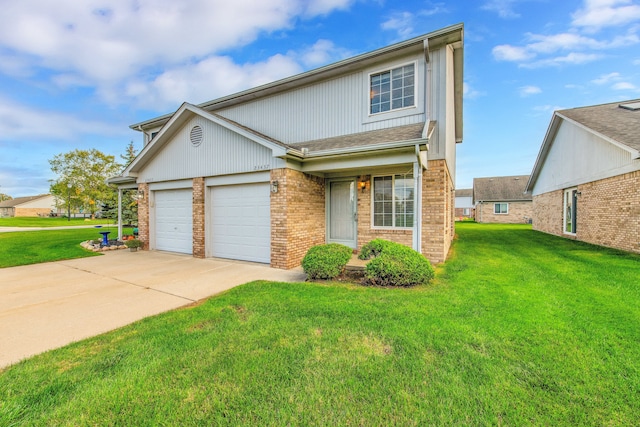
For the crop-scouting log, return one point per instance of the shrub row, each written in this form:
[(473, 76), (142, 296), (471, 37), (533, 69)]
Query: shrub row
[(393, 264)]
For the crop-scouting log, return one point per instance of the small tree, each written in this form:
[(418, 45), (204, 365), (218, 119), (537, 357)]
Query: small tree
[(4, 197), (82, 178)]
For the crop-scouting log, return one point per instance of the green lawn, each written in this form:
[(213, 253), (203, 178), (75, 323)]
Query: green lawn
[(50, 222), (32, 247), (519, 328)]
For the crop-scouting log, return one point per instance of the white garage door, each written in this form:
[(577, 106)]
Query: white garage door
[(241, 222), (174, 221)]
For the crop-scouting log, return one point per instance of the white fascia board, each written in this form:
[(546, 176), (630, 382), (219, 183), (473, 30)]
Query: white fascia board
[(635, 154), (359, 162), (339, 152), (544, 150), (184, 113)]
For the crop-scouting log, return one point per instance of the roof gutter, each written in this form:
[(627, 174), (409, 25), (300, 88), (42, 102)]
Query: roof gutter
[(302, 154)]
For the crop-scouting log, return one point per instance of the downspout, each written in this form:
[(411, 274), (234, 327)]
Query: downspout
[(427, 91), (417, 202)]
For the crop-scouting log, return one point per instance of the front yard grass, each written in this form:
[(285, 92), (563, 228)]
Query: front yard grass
[(51, 222), (518, 328), (32, 247)]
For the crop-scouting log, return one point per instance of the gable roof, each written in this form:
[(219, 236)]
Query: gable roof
[(20, 200), (500, 189), (613, 122), (464, 192)]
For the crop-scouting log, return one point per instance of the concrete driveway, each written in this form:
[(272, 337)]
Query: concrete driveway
[(45, 306)]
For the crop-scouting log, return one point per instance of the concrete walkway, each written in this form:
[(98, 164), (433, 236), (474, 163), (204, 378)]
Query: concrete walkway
[(45, 306)]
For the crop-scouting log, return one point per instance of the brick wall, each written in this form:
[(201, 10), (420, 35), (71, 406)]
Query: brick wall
[(519, 213), (459, 213), (608, 212), (32, 211), (437, 211), (297, 216), (143, 215), (198, 218), (366, 233), (547, 212)]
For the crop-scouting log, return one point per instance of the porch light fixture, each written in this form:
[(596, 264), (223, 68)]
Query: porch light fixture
[(139, 195), (362, 183), (274, 186)]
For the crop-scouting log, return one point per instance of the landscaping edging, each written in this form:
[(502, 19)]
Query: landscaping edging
[(113, 246)]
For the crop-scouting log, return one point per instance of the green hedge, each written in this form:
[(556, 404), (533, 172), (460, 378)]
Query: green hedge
[(395, 265), (326, 261)]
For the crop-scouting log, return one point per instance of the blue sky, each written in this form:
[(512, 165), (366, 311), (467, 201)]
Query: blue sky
[(77, 74)]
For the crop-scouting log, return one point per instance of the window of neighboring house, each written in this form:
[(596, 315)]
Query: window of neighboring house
[(465, 212), (393, 201), (501, 208), (570, 210), (392, 89)]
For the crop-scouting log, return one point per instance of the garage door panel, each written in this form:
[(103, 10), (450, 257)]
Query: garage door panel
[(241, 222), (174, 221)]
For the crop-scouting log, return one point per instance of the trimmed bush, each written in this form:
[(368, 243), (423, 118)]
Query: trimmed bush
[(396, 265), (326, 261), (374, 248)]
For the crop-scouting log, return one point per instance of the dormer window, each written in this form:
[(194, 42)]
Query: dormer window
[(392, 89)]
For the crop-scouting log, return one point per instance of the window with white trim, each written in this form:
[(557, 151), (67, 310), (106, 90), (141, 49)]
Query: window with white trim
[(570, 210), (392, 89), (393, 201), (501, 208)]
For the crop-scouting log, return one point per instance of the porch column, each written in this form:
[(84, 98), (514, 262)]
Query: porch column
[(417, 207), (120, 213)]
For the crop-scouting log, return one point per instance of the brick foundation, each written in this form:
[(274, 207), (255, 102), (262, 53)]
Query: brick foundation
[(143, 215), (608, 212), (198, 218), (297, 216)]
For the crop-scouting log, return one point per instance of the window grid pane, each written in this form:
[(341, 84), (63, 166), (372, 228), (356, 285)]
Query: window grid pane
[(392, 89), (393, 201)]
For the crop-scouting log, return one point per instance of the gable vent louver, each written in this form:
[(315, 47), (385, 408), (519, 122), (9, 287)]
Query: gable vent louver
[(196, 135)]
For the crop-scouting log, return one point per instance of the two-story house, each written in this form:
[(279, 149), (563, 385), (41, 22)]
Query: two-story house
[(360, 149)]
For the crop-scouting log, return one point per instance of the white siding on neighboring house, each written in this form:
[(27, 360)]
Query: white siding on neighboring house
[(339, 106), (221, 152), (464, 202), (48, 202), (578, 156)]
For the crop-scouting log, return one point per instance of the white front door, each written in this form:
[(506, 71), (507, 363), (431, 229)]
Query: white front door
[(342, 217)]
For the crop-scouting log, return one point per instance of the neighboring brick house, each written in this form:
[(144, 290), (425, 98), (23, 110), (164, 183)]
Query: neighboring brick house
[(346, 153), (41, 205), (586, 179), (502, 199), (464, 204)]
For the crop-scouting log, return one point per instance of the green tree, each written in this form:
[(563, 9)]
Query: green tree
[(4, 197), (81, 179), (129, 154)]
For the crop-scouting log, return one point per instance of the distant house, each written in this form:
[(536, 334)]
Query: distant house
[(464, 204), (502, 199), (360, 149), (41, 205), (586, 180)]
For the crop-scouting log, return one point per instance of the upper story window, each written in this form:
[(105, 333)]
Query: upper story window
[(392, 89)]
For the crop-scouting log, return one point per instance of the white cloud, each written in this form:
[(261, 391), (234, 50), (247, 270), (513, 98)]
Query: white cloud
[(504, 8), (321, 53), (470, 92), (529, 90), (624, 86), (404, 23), (606, 78), (577, 45), (511, 53), (127, 42), (598, 14), (20, 123)]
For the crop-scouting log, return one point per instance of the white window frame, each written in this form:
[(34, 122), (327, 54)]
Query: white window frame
[(393, 204), (390, 69), (566, 197), (500, 213)]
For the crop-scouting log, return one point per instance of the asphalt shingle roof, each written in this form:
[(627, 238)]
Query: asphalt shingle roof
[(19, 200), (464, 192), (500, 188), (395, 134), (611, 120)]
